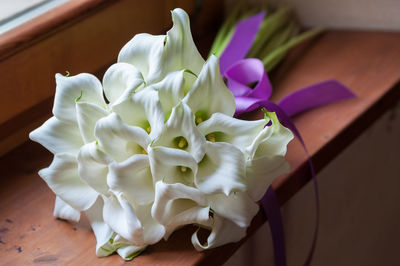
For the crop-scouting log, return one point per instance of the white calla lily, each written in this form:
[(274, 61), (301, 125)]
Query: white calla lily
[(93, 167), (223, 128), (121, 79), (261, 172), (170, 90), (80, 88), (119, 214), (223, 231), (181, 52), (181, 132), (238, 207), (63, 210), (191, 214), (272, 141), (63, 178), (209, 93), (102, 231), (119, 140), (152, 230), (133, 223), (133, 178), (142, 109), (145, 52), (58, 136), (177, 205), (129, 252), (108, 241), (87, 115), (172, 199), (172, 165), (222, 169)]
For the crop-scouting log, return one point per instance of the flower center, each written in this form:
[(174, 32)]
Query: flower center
[(210, 137), (181, 142), (200, 116)]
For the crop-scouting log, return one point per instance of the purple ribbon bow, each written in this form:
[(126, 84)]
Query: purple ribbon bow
[(239, 72)]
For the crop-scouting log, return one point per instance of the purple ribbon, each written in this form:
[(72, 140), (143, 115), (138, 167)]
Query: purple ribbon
[(240, 72), (251, 70), (238, 46)]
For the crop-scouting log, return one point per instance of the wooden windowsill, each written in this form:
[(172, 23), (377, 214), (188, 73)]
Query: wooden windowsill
[(367, 62), (47, 24)]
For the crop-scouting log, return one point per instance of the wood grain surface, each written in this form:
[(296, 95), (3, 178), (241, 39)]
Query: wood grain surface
[(367, 62)]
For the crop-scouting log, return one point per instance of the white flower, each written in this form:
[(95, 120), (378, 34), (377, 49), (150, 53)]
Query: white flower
[(162, 151)]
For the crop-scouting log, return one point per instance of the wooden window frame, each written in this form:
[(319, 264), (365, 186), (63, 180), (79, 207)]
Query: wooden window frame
[(78, 36)]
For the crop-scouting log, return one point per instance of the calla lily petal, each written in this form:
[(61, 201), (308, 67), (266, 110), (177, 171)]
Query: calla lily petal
[(102, 231), (237, 207), (93, 167), (119, 140), (121, 217), (119, 79), (145, 52), (152, 230), (166, 164), (63, 178), (272, 141), (181, 52), (129, 221), (240, 133), (209, 93), (58, 136), (261, 172), (87, 115), (170, 90), (222, 169), (193, 215), (223, 232), (181, 125), (133, 178), (172, 199), (130, 252), (64, 211), (80, 88), (142, 109)]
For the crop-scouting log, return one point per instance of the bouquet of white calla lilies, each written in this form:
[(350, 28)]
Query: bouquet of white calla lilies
[(161, 151)]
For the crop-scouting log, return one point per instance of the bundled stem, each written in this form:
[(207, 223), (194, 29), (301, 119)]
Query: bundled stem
[(278, 34)]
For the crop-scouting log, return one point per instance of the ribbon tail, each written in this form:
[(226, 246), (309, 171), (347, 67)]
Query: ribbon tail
[(272, 210), (286, 121), (315, 95)]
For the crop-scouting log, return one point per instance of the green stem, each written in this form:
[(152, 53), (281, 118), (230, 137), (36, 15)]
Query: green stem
[(273, 58), (279, 38), (226, 30), (271, 24)]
